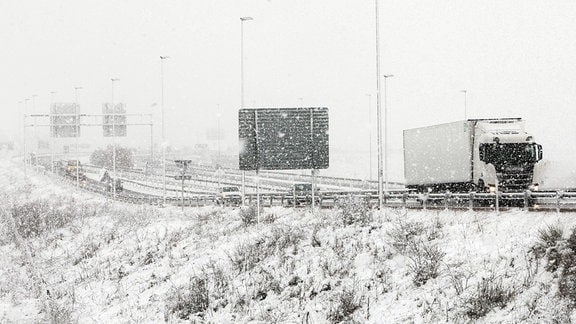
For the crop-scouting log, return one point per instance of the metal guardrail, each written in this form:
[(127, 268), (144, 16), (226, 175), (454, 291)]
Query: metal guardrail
[(558, 201), (533, 201)]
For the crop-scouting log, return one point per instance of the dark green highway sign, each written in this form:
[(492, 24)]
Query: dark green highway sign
[(283, 138)]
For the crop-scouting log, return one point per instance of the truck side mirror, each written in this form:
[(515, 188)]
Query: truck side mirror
[(539, 152), (482, 152)]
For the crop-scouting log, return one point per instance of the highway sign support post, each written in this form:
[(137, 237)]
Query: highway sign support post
[(183, 165)]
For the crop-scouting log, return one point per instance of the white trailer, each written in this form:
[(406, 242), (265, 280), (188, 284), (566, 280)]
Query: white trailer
[(475, 154)]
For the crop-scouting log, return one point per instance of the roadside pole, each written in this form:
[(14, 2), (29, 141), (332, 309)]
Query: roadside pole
[(314, 173)]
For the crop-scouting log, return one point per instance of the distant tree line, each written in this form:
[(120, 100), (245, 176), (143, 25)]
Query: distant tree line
[(104, 157)]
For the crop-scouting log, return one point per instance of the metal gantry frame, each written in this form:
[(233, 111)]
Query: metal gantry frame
[(77, 132), (162, 58)]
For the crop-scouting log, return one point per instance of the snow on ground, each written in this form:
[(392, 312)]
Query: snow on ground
[(109, 262)]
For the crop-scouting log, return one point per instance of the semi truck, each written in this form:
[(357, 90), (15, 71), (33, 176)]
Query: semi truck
[(482, 155)]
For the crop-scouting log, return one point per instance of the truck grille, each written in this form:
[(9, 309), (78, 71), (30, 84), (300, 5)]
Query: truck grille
[(515, 179)]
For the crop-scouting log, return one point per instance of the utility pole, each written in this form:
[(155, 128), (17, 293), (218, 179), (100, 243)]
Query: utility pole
[(386, 136), (52, 93), (76, 135), (378, 110), (162, 58), (113, 141), (242, 20), (465, 104)]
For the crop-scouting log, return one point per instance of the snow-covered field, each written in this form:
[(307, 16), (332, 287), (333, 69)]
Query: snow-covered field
[(68, 256)]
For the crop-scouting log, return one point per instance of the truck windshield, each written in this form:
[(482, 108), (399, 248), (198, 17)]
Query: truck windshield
[(303, 187), (509, 153)]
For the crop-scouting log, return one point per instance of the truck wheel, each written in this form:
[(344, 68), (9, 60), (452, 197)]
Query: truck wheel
[(481, 186)]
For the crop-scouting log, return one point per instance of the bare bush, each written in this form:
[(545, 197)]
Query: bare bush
[(425, 260), (549, 246), (346, 304), (542, 308), (86, 251), (284, 237), (382, 279), (405, 232), (490, 293), (567, 282), (353, 210), (218, 284), (189, 301), (263, 283), (35, 217), (249, 215), (58, 312), (269, 218), (247, 255), (550, 235), (459, 277), (335, 267)]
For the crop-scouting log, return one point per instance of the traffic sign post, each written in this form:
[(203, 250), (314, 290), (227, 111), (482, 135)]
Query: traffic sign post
[(183, 165)]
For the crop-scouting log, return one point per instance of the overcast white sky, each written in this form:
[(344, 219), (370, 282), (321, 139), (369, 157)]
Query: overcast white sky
[(515, 59)]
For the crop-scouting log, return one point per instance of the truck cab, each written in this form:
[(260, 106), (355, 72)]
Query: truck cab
[(229, 195), (74, 169), (505, 156)]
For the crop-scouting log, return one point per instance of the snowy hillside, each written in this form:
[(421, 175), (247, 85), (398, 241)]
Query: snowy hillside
[(68, 256)]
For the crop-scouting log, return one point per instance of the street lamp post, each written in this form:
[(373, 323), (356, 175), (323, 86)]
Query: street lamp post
[(77, 134), (113, 140), (378, 110), (386, 76), (162, 58), (25, 144), (52, 93), (370, 132), (34, 134), (242, 20), (465, 108), (219, 115)]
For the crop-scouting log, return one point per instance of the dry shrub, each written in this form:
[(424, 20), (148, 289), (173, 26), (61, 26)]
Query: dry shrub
[(425, 260), (405, 232), (86, 251), (58, 312), (567, 282), (188, 302), (218, 284), (36, 217), (249, 215), (490, 293), (549, 245), (550, 235), (247, 255), (353, 210), (346, 304)]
